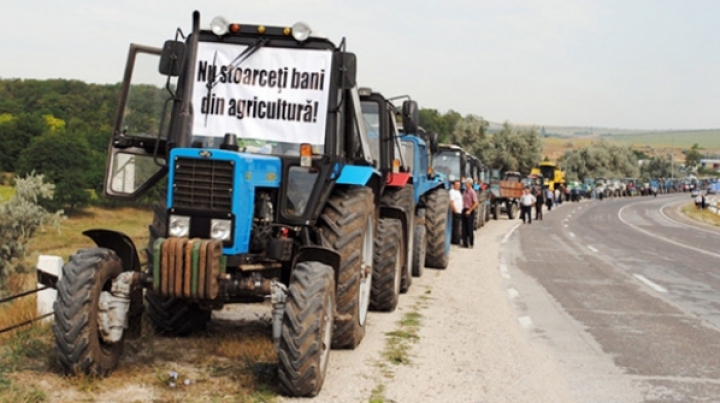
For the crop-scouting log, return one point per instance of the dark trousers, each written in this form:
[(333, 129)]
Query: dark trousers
[(457, 229), (526, 213), (538, 210), (549, 204), (468, 233)]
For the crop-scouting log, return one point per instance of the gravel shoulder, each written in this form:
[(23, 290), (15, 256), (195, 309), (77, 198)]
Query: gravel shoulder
[(469, 347)]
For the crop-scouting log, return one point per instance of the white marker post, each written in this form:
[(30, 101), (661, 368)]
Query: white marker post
[(46, 298)]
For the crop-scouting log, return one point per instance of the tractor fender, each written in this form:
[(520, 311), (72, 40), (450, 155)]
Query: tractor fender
[(319, 254)]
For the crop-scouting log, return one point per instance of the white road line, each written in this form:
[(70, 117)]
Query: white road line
[(593, 249), (648, 233), (512, 293), (525, 321), (572, 235), (510, 232), (503, 270), (662, 213), (565, 225), (649, 283)]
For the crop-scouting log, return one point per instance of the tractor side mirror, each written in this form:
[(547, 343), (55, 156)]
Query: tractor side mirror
[(433, 142), (347, 69), (171, 58), (410, 117)]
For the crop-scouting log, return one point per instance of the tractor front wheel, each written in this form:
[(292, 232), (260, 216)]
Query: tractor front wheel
[(307, 328), (79, 345)]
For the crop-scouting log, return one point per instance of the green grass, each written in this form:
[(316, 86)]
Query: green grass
[(708, 139), (6, 192), (705, 216)]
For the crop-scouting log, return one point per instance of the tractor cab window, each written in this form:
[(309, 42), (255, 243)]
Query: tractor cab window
[(408, 153), (371, 115), (448, 163)]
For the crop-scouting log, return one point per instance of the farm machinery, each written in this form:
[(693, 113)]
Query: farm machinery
[(273, 192)]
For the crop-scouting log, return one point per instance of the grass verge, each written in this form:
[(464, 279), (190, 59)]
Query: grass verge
[(705, 216)]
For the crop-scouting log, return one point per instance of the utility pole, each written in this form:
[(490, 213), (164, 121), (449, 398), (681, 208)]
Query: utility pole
[(672, 165)]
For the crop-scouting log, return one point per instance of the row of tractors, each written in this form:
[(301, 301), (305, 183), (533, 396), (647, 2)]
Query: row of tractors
[(278, 180)]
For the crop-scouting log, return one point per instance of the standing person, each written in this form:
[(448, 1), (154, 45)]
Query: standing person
[(456, 205), (549, 198), (470, 203), (526, 202), (539, 202), (558, 198)]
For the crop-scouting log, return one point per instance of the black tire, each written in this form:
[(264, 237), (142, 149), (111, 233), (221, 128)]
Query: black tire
[(495, 210), (487, 212), (480, 214), (437, 212), (387, 266), (419, 246), (404, 197), (78, 344), (305, 343), (170, 317), (344, 225), (510, 206)]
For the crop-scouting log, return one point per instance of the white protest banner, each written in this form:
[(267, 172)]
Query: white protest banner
[(276, 94)]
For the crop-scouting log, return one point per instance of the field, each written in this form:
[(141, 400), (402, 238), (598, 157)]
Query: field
[(6, 192), (708, 139)]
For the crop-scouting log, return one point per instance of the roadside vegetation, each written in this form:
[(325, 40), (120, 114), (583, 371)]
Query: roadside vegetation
[(704, 216)]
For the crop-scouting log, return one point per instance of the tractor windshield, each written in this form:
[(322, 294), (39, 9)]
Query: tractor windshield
[(273, 99), (447, 162), (371, 114)]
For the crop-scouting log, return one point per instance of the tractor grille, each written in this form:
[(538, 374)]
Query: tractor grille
[(203, 184)]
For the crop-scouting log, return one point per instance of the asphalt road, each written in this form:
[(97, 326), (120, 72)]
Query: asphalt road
[(626, 294)]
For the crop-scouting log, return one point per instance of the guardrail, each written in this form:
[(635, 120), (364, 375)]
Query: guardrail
[(49, 271)]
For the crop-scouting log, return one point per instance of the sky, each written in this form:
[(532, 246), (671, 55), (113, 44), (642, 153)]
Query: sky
[(640, 64)]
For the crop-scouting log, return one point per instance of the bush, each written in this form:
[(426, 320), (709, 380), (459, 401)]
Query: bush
[(20, 217)]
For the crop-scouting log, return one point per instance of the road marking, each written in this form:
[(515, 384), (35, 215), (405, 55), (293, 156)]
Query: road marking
[(649, 283), (648, 233), (662, 213), (525, 321), (593, 249), (512, 293), (572, 235), (503, 270), (565, 225), (510, 232)]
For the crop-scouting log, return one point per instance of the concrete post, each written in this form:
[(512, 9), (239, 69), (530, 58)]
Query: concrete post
[(46, 298)]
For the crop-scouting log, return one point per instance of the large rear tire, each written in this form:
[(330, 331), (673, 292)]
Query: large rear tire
[(78, 344), (171, 317), (387, 266), (404, 197), (438, 224), (495, 210), (419, 246), (347, 225), (306, 330)]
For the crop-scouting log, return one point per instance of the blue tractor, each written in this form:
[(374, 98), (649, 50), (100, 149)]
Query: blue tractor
[(271, 191), (433, 218)]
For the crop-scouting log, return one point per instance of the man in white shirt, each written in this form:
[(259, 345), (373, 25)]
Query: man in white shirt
[(456, 205), (527, 201)]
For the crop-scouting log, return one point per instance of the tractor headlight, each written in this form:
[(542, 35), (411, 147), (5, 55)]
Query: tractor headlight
[(179, 225), (220, 230)]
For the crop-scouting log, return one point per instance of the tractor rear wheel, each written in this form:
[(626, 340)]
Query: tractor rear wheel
[(387, 266), (511, 209), (169, 316), (495, 210), (307, 328), (347, 225), (78, 343), (404, 197), (438, 223)]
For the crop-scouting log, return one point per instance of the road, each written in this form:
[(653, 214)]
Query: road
[(626, 294)]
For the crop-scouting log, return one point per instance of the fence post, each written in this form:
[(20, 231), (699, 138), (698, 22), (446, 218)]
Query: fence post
[(46, 298)]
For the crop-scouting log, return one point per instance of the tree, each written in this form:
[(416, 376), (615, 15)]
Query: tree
[(658, 167), (65, 160), (20, 218), (692, 157), (513, 149), (600, 159)]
